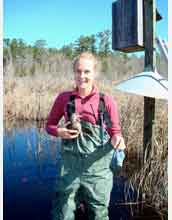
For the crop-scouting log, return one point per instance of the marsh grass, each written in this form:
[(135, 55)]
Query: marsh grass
[(151, 179)]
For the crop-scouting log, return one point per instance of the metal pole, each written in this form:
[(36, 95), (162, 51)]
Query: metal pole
[(150, 62), (163, 48)]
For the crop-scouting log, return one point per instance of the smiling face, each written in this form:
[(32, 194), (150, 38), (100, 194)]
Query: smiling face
[(84, 72)]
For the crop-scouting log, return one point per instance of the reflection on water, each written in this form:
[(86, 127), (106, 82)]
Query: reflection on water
[(31, 166), (31, 163)]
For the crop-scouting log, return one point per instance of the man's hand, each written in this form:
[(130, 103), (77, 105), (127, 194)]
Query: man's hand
[(118, 142), (67, 133)]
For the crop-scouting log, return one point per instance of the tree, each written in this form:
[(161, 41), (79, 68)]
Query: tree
[(39, 50), (14, 47), (104, 43), (85, 43), (6, 46), (6, 42), (67, 51), (40, 44)]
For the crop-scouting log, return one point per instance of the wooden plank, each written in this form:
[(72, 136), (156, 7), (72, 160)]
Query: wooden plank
[(150, 61), (149, 34), (148, 135)]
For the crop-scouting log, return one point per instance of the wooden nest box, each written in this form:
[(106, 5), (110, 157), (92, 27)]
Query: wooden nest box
[(127, 25)]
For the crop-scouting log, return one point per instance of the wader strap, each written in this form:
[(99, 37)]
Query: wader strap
[(71, 106), (103, 114)]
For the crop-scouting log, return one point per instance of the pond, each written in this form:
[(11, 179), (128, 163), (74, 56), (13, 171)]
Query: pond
[(29, 173), (31, 167)]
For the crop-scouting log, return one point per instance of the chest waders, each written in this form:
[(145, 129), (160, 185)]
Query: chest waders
[(85, 167)]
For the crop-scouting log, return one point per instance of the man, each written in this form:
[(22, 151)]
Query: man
[(86, 151)]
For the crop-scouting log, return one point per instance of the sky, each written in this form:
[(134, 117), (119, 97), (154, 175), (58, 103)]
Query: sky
[(61, 22)]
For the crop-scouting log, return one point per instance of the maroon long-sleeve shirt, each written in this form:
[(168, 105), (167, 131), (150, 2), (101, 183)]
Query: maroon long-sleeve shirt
[(86, 107)]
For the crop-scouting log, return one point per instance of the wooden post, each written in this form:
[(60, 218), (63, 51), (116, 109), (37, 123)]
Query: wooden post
[(150, 61)]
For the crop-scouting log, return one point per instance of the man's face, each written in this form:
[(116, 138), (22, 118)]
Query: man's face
[(84, 73)]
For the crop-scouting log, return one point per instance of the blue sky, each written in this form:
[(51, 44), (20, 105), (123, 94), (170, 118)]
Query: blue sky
[(61, 22)]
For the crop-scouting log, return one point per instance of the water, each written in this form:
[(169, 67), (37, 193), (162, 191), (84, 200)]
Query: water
[(28, 175), (31, 167)]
